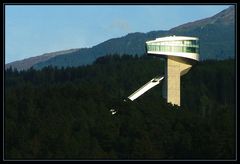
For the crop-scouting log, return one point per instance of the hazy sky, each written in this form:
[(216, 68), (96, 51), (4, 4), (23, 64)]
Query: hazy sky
[(31, 30)]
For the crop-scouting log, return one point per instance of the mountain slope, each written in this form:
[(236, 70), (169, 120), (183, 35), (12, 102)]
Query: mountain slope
[(216, 36), (225, 17), (29, 62), (131, 44), (210, 31)]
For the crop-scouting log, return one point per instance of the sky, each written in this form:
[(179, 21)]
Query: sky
[(32, 30)]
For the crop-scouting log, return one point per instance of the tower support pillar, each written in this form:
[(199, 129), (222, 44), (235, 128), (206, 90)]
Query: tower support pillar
[(175, 68)]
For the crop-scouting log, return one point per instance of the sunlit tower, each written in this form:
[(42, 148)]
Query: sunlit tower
[(180, 53)]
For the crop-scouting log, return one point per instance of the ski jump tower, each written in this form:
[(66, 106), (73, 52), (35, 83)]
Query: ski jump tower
[(180, 53)]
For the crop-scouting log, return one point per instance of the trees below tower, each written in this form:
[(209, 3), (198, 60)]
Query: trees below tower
[(64, 113)]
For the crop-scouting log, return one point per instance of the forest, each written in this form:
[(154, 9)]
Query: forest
[(63, 113)]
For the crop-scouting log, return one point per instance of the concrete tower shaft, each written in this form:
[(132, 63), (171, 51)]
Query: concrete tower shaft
[(174, 69)]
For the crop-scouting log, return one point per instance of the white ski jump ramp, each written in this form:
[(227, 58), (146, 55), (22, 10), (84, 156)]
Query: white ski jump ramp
[(155, 81)]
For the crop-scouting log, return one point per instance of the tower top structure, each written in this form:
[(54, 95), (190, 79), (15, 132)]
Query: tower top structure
[(177, 46)]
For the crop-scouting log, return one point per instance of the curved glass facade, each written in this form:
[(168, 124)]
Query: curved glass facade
[(187, 46)]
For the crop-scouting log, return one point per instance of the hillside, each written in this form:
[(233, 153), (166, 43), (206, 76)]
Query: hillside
[(64, 113), (133, 44), (216, 34), (29, 62), (210, 31)]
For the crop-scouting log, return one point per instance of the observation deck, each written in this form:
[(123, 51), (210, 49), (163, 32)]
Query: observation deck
[(177, 46)]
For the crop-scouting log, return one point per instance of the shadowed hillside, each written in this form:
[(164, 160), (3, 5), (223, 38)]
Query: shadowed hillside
[(64, 113)]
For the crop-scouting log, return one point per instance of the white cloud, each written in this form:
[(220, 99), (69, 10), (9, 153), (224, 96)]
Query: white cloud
[(121, 25)]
